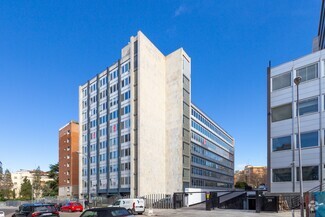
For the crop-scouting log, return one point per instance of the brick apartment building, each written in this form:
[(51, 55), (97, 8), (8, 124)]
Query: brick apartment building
[(69, 160), (252, 175)]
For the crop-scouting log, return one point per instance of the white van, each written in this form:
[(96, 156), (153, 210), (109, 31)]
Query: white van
[(136, 206)]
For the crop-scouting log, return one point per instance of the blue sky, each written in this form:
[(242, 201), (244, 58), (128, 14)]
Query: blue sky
[(49, 48)]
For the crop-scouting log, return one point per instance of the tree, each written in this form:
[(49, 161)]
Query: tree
[(54, 171), (51, 188), (37, 183), (8, 184), (242, 185), (26, 189)]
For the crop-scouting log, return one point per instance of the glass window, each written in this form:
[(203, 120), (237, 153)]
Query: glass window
[(282, 112), (308, 73), (308, 106), (308, 173), (282, 175), (281, 81), (282, 143), (308, 139)]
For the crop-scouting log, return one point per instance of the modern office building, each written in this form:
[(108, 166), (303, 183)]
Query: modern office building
[(212, 153), (282, 123), (136, 120), (69, 160)]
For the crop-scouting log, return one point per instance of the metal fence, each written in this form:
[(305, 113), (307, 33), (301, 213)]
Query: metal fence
[(158, 201)]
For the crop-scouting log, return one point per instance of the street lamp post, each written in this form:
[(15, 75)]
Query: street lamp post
[(297, 81)]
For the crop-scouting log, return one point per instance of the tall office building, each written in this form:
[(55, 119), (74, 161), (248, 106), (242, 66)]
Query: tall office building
[(283, 161), (69, 160), (319, 40), (136, 120)]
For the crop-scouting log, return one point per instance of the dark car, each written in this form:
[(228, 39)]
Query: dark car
[(33, 210), (107, 212)]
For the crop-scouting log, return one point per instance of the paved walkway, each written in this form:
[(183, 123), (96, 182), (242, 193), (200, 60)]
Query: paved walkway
[(188, 212)]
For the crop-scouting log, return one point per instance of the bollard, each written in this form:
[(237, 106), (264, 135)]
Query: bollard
[(258, 201), (150, 212), (208, 202)]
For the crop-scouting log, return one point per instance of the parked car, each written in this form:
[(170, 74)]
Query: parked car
[(262, 187), (135, 206), (71, 207), (36, 210), (107, 212)]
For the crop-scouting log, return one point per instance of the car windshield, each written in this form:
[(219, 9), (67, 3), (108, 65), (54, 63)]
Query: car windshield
[(117, 203), (105, 213), (120, 212), (45, 208)]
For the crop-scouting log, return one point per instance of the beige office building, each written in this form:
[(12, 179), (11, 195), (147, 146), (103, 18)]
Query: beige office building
[(135, 124)]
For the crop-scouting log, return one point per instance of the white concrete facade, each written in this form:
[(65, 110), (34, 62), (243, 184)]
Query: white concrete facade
[(160, 130), (312, 121)]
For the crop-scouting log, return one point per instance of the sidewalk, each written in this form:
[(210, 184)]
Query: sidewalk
[(188, 212)]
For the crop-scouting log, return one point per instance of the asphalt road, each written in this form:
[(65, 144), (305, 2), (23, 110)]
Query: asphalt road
[(8, 211)]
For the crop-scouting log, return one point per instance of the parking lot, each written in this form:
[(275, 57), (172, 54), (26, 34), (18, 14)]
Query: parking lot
[(189, 212)]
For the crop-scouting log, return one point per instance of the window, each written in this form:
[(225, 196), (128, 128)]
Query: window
[(186, 96), (282, 175), (125, 110), (113, 88), (125, 152), (103, 119), (93, 87), (102, 94), (113, 141), (308, 139), (125, 124), (308, 106), (113, 101), (113, 75), (125, 67), (84, 92), (282, 112), (103, 81), (113, 155), (125, 82), (308, 173), (126, 95), (281, 143), (281, 81), (113, 128), (308, 73), (125, 138), (113, 115)]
